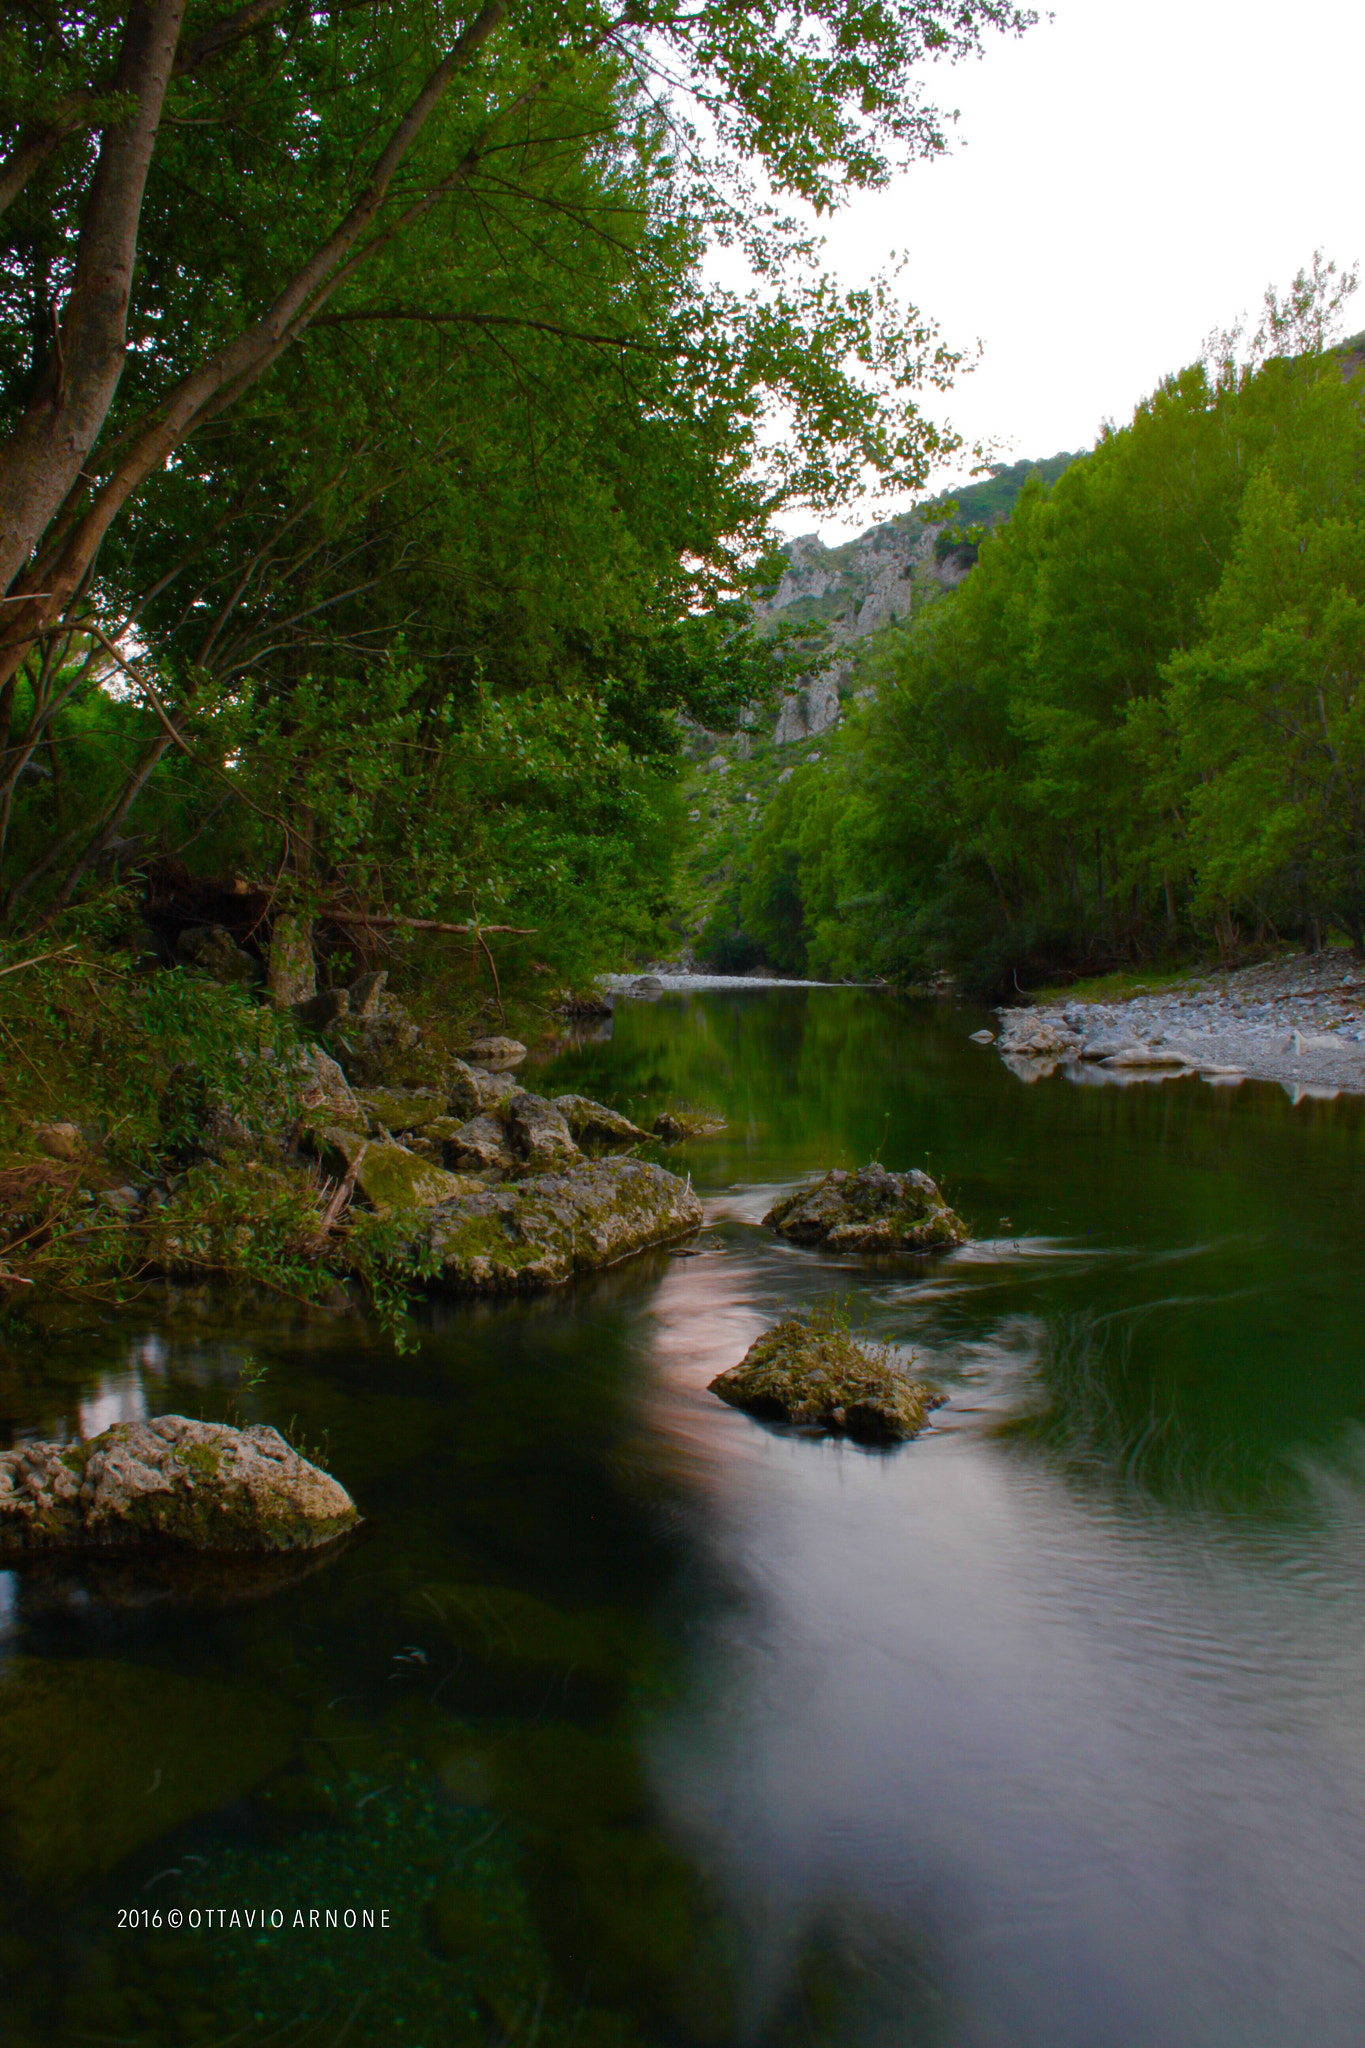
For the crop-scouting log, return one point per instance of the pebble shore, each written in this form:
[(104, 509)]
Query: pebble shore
[(1298, 1021)]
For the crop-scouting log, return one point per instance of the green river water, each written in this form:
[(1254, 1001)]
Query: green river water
[(644, 1723)]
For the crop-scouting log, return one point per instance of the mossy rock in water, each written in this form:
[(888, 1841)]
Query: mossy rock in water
[(823, 1378), (597, 1128), (169, 1485), (869, 1211), (98, 1758), (682, 1126), (541, 1231)]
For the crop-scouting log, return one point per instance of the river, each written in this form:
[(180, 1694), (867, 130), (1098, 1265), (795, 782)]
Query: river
[(645, 1723)]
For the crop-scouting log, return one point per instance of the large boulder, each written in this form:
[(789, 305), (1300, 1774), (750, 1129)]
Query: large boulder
[(818, 1375), (171, 1484), (869, 1211), (539, 1232)]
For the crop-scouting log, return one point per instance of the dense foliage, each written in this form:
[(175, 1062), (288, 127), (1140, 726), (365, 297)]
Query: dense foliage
[(377, 432), (1138, 723)]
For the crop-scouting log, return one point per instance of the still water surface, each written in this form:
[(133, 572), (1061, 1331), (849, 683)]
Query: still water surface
[(648, 1724)]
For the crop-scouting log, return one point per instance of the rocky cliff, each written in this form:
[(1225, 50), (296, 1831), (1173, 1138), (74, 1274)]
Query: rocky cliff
[(844, 593)]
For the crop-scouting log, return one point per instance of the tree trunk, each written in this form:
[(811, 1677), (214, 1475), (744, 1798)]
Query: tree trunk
[(44, 456), (56, 574)]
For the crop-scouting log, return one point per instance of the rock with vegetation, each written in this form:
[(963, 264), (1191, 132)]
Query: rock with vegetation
[(398, 1110), (387, 1176), (169, 1484), (597, 1128), (376, 1044), (539, 1232), (677, 1126), (322, 1011), (817, 1374), (871, 1210)]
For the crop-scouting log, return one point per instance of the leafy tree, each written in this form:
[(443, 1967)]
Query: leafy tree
[(334, 330), (1136, 720)]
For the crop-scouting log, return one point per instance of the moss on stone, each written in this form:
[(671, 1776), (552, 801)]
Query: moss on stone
[(392, 1179), (815, 1373), (871, 1210), (398, 1110)]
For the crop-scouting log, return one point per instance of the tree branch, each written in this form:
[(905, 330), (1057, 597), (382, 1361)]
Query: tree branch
[(484, 320)]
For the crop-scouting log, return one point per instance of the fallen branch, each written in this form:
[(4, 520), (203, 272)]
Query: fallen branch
[(37, 959), (341, 1195), (428, 924)]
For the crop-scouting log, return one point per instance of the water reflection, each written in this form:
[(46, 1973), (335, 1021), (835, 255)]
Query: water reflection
[(654, 1725)]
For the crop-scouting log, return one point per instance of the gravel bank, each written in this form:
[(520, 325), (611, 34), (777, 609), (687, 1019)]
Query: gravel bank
[(1299, 1021)]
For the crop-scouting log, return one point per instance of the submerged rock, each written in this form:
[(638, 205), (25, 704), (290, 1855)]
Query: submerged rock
[(824, 1378), (539, 1232), (869, 1211), (99, 1758), (171, 1484)]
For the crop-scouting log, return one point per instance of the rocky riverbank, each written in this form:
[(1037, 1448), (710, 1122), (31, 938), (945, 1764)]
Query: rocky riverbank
[(330, 1149), (1298, 1021)]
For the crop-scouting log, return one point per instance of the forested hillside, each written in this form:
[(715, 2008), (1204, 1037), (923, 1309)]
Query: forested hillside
[(1136, 725)]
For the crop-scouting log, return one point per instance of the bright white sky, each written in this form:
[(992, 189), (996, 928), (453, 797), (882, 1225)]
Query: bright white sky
[(1123, 179)]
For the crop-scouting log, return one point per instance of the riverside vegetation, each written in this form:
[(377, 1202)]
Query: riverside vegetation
[(381, 474), (1133, 729)]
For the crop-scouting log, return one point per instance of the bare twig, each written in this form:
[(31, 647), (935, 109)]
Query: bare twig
[(37, 959), (427, 924)]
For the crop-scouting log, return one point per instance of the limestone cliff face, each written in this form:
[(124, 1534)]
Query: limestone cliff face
[(849, 591)]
